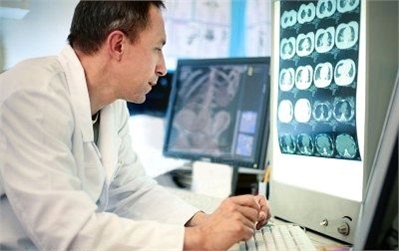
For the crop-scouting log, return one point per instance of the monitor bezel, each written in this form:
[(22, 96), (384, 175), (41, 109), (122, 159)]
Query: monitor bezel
[(260, 150), (374, 213)]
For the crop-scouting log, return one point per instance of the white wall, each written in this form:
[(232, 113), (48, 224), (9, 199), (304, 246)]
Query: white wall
[(43, 31)]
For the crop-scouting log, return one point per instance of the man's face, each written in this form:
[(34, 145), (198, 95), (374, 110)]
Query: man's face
[(143, 61)]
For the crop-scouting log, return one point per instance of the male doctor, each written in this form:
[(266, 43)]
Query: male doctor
[(69, 179)]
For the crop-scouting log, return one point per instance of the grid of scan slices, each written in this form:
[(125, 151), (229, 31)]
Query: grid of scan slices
[(319, 50)]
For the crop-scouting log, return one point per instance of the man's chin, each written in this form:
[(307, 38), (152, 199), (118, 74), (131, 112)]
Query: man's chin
[(137, 100)]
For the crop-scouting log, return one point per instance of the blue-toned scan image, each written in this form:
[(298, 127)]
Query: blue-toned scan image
[(317, 80)]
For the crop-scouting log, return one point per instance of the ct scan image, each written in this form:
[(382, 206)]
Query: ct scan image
[(319, 53)]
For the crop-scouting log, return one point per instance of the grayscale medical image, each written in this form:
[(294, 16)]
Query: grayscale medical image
[(200, 123), (316, 113)]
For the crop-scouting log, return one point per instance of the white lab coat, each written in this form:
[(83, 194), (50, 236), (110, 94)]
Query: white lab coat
[(58, 190)]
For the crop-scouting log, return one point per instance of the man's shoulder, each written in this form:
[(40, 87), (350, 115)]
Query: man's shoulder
[(33, 74), (42, 64), (35, 67)]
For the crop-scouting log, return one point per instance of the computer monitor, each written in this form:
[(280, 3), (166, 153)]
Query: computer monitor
[(380, 205), (218, 111), (333, 73)]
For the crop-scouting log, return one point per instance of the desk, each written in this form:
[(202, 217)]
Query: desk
[(209, 204)]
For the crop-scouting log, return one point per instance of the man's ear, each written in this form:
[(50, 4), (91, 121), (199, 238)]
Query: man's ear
[(115, 44)]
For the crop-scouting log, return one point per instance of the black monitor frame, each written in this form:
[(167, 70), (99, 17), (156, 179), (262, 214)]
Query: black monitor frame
[(262, 125)]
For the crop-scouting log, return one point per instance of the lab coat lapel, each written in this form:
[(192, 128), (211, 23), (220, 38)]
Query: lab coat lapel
[(76, 80), (108, 141)]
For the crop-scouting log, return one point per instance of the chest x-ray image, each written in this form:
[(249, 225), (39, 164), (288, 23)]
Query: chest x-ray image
[(317, 78)]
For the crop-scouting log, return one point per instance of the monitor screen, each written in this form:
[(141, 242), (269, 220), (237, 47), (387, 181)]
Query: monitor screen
[(218, 111), (318, 100)]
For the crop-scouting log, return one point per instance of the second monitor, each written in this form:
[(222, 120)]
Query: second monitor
[(218, 111)]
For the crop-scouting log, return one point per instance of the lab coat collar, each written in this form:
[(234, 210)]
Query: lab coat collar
[(76, 81), (108, 141)]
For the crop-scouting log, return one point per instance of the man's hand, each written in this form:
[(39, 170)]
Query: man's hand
[(235, 219), (264, 211)]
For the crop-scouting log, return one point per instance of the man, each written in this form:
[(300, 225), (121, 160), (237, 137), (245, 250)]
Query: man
[(68, 177)]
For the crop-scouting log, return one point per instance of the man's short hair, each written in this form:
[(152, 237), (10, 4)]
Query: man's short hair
[(93, 21)]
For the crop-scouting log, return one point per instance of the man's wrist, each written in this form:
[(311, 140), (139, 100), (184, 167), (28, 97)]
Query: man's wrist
[(193, 239)]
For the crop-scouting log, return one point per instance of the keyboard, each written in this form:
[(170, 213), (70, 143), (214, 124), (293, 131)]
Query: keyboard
[(284, 237), (288, 237)]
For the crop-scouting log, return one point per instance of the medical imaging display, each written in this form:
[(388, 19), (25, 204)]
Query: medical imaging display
[(319, 51), (218, 111)]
